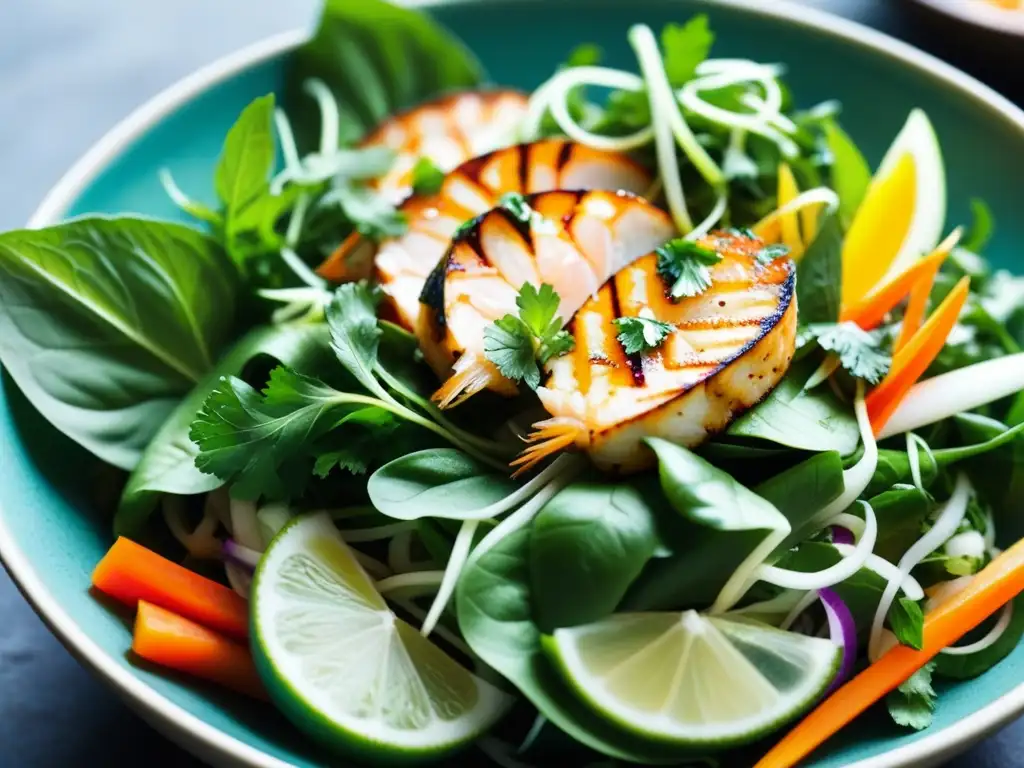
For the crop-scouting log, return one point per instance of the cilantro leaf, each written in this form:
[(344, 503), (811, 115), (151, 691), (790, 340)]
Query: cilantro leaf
[(642, 333), (770, 253), (426, 177), (555, 345), (913, 703), (907, 621), (685, 267), (858, 350), (354, 452), (685, 47), (508, 343), (537, 308), (517, 205), (355, 334)]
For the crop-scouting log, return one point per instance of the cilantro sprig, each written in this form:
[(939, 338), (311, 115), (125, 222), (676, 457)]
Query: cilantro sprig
[(642, 333), (860, 352), (516, 344), (685, 267)]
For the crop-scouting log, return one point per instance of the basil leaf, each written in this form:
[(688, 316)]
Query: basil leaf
[(440, 482), (377, 59), (812, 420), (106, 322), (851, 174), (907, 621), (243, 171), (168, 463), (586, 546), (819, 275)]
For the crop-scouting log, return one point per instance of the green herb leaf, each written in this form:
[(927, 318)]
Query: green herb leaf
[(641, 334), (907, 621), (372, 214), (377, 58), (243, 171), (538, 308), (913, 703), (517, 205), (355, 334), (427, 178), (685, 267), (685, 46), (974, 664), (584, 55), (168, 463), (106, 323), (770, 253), (858, 350), (851, 174), (819, 275), (508, 344), (982, 226)]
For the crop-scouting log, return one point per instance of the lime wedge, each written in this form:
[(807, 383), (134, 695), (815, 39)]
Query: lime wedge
[(344, 668), (693, 680)]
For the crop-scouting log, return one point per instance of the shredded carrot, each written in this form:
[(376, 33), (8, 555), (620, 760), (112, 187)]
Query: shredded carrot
[(869, 311), (999, 583), (918, 301), (130, 573), (174, 642), (910, 363), (352, 260)]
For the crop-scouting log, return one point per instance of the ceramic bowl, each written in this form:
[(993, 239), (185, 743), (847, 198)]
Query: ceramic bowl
[(51, 530)]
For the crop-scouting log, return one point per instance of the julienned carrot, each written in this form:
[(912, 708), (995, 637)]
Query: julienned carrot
[(335, 268), (992, 588), (130, 573), (913, 316), (872, 309), (913, 360), (174, 642)]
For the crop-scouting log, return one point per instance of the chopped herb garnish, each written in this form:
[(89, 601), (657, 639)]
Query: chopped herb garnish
[(913, 703), (770, 253), (426, 177), (517, 344), (907, 621), (859, 351), (685, 267), (517, 205), (642, 333)]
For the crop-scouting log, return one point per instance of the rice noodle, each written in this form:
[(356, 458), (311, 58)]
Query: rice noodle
[(990, 639)]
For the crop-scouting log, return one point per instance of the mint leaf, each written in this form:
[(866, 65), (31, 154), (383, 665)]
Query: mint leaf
[(685, 46), (246, 160), (913, 704), (770, 253), (685, 267), (427, 178), (859, 351), (508, 343), (641, 334), (907, 621)]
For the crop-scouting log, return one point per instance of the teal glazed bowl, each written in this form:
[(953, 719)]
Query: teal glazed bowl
[(52, 532)]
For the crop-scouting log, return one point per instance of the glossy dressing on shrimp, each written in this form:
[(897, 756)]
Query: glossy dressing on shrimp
[(572, 241), (402, 264), (729, 347)]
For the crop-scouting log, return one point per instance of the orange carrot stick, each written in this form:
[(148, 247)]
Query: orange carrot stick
[(910, 363), (999, 583), (130, 573), (918, 301), (174, 642), (871, 310), (352, 260)]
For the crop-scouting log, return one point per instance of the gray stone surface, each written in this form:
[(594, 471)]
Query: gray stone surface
[(70, 69)]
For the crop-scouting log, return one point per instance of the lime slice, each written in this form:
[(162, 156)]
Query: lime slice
[(344, 668), (693, 680), (903, 213)]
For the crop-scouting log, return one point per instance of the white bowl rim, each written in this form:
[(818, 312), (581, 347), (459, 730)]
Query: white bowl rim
[(980, 14), (202, 738)]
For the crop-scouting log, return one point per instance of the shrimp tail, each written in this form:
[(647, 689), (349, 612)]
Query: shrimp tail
[(471, 374), (549, 437), (350, 261)]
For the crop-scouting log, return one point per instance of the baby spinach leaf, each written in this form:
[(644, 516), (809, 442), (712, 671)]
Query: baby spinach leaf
[(168, 463), (974, 664), (894, 468), (819, 275), (802, 491), (997, 475), (494, 603), (901, 512), (851, 174), (440, 482), (377, 59), (243, 171), (812, 420), (106, 322), (586, 546)]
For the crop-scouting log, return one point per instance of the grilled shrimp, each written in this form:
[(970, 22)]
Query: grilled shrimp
[(448, 131), (403, 263), (573, 241), (728, 348)]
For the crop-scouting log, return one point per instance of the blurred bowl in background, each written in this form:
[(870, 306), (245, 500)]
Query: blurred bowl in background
[(1003, 16)]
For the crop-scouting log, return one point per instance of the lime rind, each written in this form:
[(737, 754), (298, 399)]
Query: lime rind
[(692, 680), (344, 668)]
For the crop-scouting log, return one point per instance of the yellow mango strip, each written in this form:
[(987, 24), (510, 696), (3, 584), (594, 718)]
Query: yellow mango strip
[(789, 223), (879, 230)]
